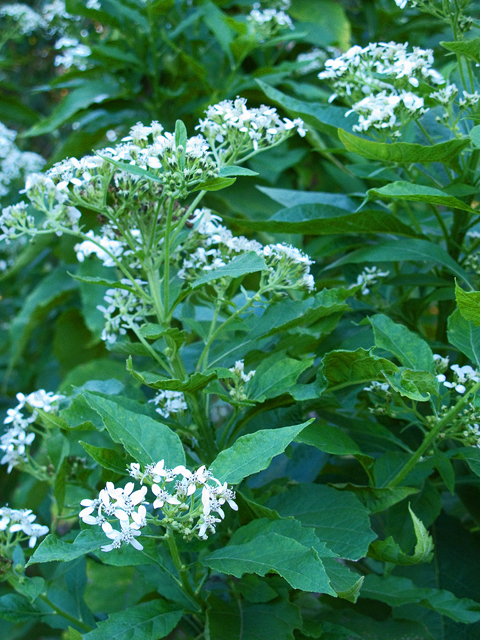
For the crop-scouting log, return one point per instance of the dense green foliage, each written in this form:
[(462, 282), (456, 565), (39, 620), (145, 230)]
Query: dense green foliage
[(249, 360)]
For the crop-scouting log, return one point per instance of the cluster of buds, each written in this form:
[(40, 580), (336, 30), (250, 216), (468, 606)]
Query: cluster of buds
[(15, 222), (189, 502), (383, 399), (16, 440), (236, 384)]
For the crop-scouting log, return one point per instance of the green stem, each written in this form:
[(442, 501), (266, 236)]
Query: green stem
[(64, 614), (154, 284), (166, 259), (156, 356), (410, 464), (182, 569)]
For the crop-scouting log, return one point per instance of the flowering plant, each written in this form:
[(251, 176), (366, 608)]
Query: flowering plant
[(241, 365)]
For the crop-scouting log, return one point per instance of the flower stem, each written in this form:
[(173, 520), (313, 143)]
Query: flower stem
[(64, 614), (410, 464), (182, 569)]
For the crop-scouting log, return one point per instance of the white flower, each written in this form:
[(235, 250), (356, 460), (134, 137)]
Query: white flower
[(162, 497), (127, 534), (22, 520), (170, 402)]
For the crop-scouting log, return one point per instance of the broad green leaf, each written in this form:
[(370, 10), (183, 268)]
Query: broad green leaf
[(241, 265), (146, 439), (215, 184), (227, 172), (291, 198), (471, 455), (414, 250), (468, 304), (229, 621), (408, 347), (324, 118), (279, 546), (31, 587), (195, 382), (215, 20), (338, 517), (92, 92), (346, 583), (396, 591), (17, 608), (329, 439), (275, 376), (48, 293), (377, 499), (468, 48), (389, 551), (249, 510), (343, 368), (326, 219), (327, 19), (145, 621), (416, 385), (253, 453), (101, 281), (107, 458), (55, 549), (411, 192), (465, 336), (399, 152), (475, 137)]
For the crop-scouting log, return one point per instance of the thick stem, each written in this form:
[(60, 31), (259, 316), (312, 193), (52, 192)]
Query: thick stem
[(166, 259), (64, 614), (410, 464)]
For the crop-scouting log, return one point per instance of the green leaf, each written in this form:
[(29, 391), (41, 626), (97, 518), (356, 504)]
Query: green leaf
[(144, 621), (411, 192), (279, 546), (107, 458), (475, 138), (338, 517), (92, 92), (343, 368), (329, 439), (416, 385), (216, 184), (468, 48), (377, 499), (240, 265), (132, 169), (471, 455), (395, 251), (328, 19), (48, 293), (396, 591), (253, 453), (195, 382), (17, 608), (408, 347), (272, 620), (324, 219), (346, 583), (465, 336), (324, 118), (389, 551), (445, 152), (468, 304), (146, 439), (227, 172), (275, 376), (55, 549)]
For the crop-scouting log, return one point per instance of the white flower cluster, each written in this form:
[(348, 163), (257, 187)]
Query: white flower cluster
[(25, 19), (124, 311), (106, 247), (446, 94), (216, 246), (376, 80), (463, 377), (21, 521), (73, 53), (233, 130), (265, 23), (17, 437), (369, 277), (14, 163), (168, 402), (15, 221), (311, 60), (188, 505)]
